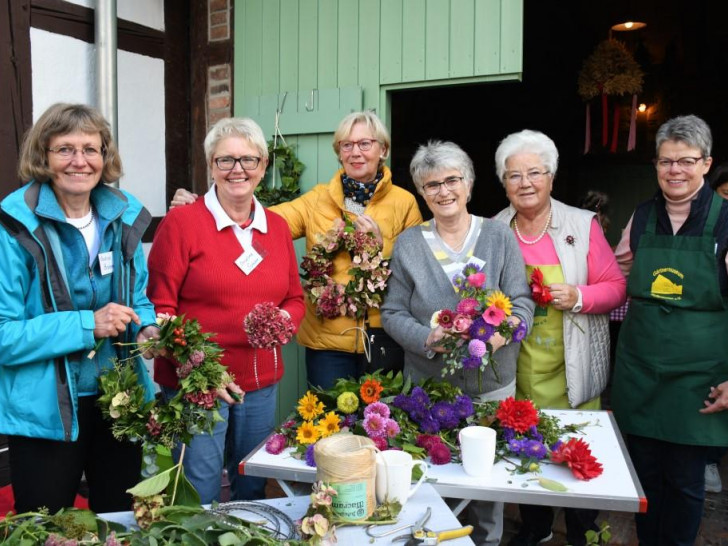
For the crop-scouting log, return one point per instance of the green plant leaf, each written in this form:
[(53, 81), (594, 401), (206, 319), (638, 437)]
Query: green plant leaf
[(152, 486), (552, 485), (186, 494)]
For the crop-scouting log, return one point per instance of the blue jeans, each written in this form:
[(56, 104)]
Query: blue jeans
[(673, 478), (243, 428), (323, 368)]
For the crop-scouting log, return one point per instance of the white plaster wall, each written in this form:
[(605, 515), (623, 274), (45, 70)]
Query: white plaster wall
[(149, 13)]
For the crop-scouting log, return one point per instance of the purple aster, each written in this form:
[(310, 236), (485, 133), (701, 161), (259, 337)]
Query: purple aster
[(556, 445), (445, 414), (402, 401), (379, 408), (471, 269), (420, 396), (534, 449), (391, 428), (519, 333), (310, 461), (472, 362), (508, 434), (374, 425), (348, 421), (535, 434), (464, 406), (517, 446), (429, 425), (419, 413), (481, 330)]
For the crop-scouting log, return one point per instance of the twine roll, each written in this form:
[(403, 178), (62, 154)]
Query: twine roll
[(344, 458)]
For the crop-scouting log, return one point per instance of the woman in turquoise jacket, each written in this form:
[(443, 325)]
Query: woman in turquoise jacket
[(72, 272)]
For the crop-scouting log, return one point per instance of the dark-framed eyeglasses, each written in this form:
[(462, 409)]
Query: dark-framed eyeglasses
[(247, 162), (67, 152), (515, 178), (685, 163), (364, 144), (433, 187)]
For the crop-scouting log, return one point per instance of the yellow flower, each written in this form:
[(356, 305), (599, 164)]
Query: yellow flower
[(328, 425), (307, 433), (309, 406), (501, 301), (347, 402)]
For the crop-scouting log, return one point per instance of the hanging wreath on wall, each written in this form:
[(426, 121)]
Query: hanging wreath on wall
[(281, 182), (610, 70)]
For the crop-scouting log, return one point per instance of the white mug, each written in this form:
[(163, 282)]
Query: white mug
[(477, 450), (394, 476)]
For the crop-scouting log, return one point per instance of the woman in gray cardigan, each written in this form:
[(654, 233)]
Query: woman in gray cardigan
[(425, 259)]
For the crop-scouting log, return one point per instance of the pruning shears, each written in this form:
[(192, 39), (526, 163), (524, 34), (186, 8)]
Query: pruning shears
[(427, 537)]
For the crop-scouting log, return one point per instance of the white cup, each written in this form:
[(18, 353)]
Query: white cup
[(477, 450), (394, 476)]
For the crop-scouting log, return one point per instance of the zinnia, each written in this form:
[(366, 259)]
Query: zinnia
[(347, 402), (370, 391)]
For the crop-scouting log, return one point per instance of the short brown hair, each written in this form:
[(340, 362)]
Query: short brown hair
[(62, 119)]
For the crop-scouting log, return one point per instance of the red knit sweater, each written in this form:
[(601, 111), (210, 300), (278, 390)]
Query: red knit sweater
[(192, 271)]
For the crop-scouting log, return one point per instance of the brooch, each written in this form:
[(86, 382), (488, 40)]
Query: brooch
[(570, 240)]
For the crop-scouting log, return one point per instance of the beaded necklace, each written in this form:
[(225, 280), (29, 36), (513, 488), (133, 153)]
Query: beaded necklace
[(540, 236)]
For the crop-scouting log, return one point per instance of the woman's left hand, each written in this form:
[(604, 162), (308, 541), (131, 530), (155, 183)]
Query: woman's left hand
[(224, 393), (565, 296), (366, 223), (717, 399), (144, 335), (497, 341)]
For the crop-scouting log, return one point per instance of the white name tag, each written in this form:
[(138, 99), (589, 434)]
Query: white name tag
[(106, 262), (248, 260)]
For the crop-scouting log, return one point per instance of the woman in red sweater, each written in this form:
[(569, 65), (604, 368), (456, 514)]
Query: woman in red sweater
[(213, 261)]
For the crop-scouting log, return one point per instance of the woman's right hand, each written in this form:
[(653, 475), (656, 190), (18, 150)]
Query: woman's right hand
[(433, 340), (112, 319), (182, 197), (224, 393)]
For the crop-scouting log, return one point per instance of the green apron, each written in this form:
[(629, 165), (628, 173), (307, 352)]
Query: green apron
[(673, 345), (541, 371)]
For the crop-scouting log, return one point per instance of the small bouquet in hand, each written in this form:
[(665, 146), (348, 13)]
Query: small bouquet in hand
[(541, 294), (470, 327), (267, 326)]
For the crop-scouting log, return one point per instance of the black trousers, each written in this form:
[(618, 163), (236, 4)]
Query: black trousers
[(48, 472), (539, 520)]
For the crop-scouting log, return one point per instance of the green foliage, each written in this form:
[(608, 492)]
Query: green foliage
[(598, 538), (281, 182)]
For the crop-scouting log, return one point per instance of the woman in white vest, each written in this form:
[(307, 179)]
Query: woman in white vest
[(564, 361)]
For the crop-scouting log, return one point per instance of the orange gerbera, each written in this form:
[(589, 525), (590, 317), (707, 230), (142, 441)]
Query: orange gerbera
[(370, 391)]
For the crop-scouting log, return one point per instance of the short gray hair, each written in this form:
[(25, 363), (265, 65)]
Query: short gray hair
[(245, 128), (690, 130), (526, 142), (436, 156)]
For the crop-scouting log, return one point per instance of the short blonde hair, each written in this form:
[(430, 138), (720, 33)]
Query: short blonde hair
[(63, 119), (372, 122), (244, 128)]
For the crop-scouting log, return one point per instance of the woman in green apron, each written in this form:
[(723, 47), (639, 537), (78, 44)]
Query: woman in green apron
[(672, 353), (564, 361)]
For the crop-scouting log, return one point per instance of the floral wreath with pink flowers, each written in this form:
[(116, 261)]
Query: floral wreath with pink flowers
[(369, 272)]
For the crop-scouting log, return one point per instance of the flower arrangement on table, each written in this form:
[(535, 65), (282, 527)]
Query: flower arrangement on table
[(469, 328), (369, 272)]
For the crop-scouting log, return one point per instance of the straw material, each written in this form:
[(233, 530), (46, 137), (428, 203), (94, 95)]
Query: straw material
[(342, 459)]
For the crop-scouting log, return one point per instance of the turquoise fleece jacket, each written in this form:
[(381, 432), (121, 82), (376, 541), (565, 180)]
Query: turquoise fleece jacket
[(48, 295)]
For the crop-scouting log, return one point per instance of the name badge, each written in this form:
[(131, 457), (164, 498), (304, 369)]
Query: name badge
[(248, 260), (106, 262)]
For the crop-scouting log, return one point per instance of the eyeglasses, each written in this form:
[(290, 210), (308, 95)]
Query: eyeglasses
[(247, 162), (685, 163), (67, 152), (433, 188), (365, 144), (515, 179)]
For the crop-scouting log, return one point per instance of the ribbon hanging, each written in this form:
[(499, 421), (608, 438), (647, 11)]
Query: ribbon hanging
[(605, 121), (632, 139), (587, 133), (615, 128)]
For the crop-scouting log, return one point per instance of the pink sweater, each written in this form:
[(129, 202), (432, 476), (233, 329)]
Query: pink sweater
[(605, 283), (192, 271)]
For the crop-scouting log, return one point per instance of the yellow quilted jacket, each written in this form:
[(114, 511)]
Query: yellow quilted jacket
[(391, 207)]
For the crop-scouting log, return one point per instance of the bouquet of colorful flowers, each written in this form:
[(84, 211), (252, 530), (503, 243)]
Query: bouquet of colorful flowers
[(369, 272), (191, 411), (267, 327), (469, 328), (533, 437)]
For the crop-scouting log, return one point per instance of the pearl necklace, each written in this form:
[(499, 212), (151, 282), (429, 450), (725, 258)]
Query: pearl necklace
[(540, 236)]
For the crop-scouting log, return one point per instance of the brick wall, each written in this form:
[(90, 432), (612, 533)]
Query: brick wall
[(219, 76)]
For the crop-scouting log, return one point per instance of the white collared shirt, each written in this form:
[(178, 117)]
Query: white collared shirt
[(222, 220)]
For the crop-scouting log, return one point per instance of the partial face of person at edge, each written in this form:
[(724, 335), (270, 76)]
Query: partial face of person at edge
[(237, 169), (528, 182), (446, 193), (722, 190), (76, 161), (680, 169), (361, 165)]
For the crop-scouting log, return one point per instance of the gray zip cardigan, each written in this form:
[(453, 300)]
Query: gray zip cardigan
[(418, 287)]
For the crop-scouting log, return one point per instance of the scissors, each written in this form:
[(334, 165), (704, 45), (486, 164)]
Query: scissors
[(427, 537), (418, 525)]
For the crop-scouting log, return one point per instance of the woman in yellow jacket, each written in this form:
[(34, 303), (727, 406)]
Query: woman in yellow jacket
[(363, 190)]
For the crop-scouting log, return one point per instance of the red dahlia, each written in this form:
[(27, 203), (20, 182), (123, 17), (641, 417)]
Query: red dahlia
[(578, 457), (520, 415)]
